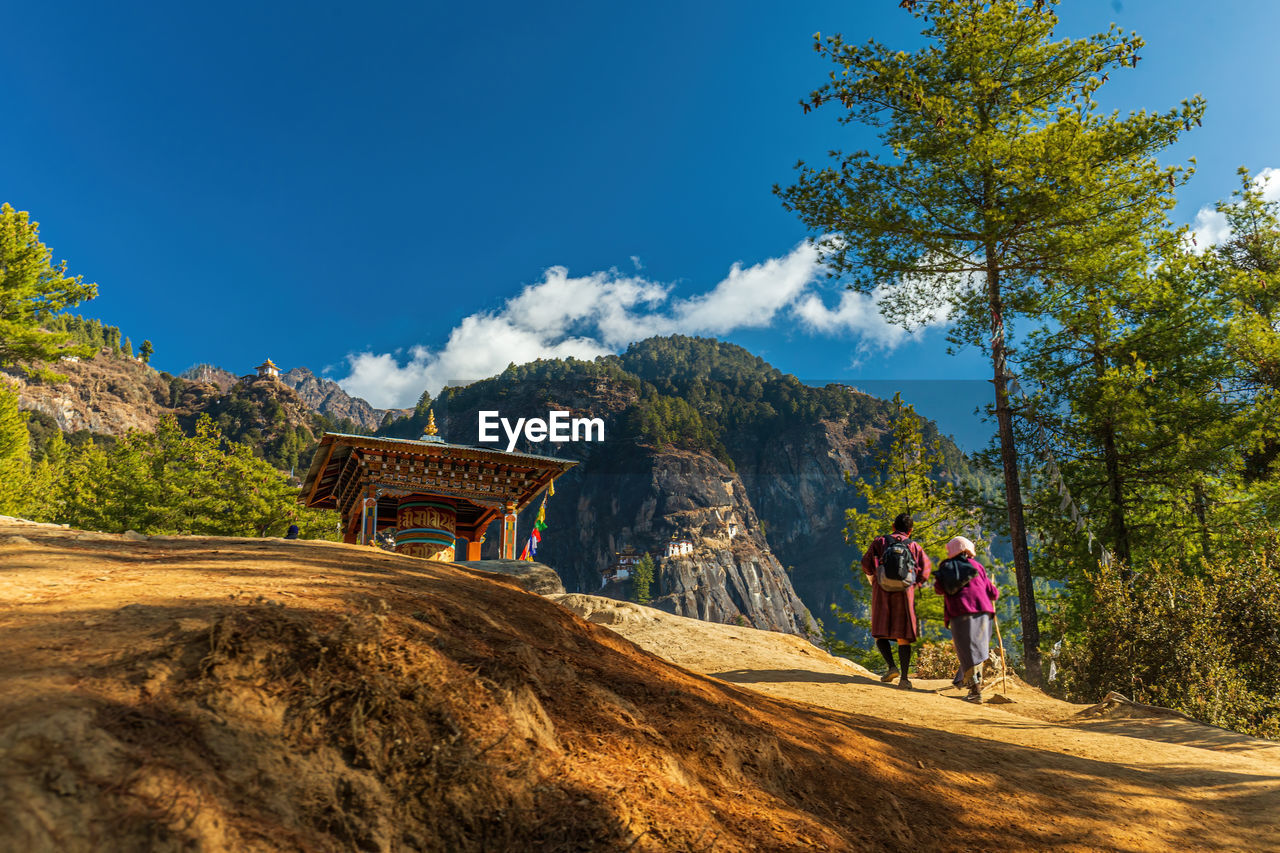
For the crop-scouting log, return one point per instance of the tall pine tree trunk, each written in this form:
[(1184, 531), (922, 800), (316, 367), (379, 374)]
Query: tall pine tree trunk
[(1115, 484), (1200, 503), (1012, 485), (1115, 491)]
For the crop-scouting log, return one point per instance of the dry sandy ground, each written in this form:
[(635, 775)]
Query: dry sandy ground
[(177, 693), (1150, 773)]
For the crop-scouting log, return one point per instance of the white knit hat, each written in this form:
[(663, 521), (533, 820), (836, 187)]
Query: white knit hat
[(960, 545)]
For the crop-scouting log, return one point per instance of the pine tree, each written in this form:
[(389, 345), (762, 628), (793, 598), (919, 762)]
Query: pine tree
[(145, 351), (1001, 180), (79, 498), (423, 406), (14, 455), (643, 580), (1128, 395), (1247, 268), (95, 336), (33, 290), (170, 482)]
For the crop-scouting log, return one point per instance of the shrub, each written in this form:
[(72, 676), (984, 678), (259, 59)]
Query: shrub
[(939, 660), (1203, 642), (936, 660)]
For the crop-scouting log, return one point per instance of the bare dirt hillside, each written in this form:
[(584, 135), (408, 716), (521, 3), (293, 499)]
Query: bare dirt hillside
[(180, 693)]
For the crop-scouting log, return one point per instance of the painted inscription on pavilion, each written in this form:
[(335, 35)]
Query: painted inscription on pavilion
[(426, 528)]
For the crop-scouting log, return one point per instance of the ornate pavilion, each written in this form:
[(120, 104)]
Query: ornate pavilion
[(431, 492)]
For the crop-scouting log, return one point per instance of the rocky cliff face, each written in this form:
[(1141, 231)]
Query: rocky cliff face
[(109, 394), (796, 482), (208, 374), (112, 394), (731, 575), (327, 397), (644, 500), (627, 495)]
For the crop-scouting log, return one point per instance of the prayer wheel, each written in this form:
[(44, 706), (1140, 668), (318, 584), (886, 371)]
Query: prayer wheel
[(426, 527)]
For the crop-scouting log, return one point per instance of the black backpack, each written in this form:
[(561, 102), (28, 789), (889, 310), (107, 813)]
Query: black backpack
[(897, 569), (955, 573)]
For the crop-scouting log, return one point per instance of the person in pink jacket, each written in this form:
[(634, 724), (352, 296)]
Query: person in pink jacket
[(968, 611)]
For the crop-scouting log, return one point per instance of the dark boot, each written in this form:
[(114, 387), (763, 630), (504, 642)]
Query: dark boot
[(904, 663), (886, 651)]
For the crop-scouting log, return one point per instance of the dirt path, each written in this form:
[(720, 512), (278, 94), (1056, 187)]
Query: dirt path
[(1153, 777)]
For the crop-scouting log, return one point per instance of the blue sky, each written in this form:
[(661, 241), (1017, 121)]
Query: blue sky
[(352, 187)]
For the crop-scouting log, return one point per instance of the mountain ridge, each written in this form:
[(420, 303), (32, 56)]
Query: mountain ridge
[(331, 400), (705, 443)]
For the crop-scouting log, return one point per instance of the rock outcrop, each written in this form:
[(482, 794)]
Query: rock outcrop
[(796, 482), (327, 397), (729, 573), (623, 494), (534, 577), (108, 394), (208, 374)]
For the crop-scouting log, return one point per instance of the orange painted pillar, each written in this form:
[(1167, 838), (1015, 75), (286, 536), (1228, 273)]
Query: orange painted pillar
[(369, 508), (507, 545)]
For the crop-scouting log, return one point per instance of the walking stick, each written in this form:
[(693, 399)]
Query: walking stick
[(1004, 661)]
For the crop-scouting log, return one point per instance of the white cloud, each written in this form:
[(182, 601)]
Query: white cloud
[(856, 312), (750, 298), (1210, 227), (588, 316), (602, 312)]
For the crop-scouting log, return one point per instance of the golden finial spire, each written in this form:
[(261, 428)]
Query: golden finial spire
[(431, 433)]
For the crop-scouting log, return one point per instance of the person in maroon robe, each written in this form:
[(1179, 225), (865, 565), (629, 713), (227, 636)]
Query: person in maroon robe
[(893, 614)]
